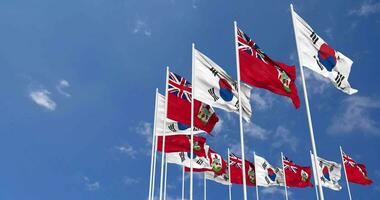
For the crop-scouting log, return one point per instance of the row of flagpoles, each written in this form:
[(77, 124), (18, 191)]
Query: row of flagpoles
[(187, 109)]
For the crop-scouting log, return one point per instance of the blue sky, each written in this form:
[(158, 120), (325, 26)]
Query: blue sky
[(78, 80)]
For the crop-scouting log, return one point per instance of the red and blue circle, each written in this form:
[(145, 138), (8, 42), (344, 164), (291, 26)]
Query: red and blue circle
[(326, 56), (326, 173), (225, 90), (271, 174)]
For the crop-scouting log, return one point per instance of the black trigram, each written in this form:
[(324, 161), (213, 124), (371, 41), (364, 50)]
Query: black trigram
[(314, 37), (339, 79), (211, 91), (237, 105), (200, 162), (172, 128), (182, 156), (214, 71)]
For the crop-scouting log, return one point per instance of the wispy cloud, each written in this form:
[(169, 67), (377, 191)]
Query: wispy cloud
[(127, 149), (219, 126), (41, 97), (130, 180), (354, 114), (141, 27), (91, 186), (317, 83), (283, 137), (262, 100), (274, 190), (61, 86), (145, 129), (256, 131), (366, 8)]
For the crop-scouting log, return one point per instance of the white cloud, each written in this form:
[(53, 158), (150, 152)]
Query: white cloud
[(141, 27), (91, 186), (316, 83), (354, 114), (283, 137), (274, 190), (41, 98), (329, 33), (127, 149), (262, 100), (130, 181), (256, 131), (61, 86), (366, 8), (145, 129)]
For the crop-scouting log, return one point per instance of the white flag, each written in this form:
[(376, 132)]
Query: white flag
[(216, 88), (222, 179), (266, 174), (183, 158), (317, 55), (172, 127), (329, 173)]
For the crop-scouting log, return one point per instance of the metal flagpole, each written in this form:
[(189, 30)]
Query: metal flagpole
[(153, 148), (345, 173), (204, 186), (192, 122), (183, 183), (314, 148), (229, 175), (283, 169), (240, 113), (166, 175), (164, 130), (257, 187), (315, 177)]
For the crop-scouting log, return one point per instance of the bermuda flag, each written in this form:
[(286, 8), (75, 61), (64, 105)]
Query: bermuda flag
[(181, 143), (257, 69), (236, 171), (217, 164), (317, 55), (216, 88), (356, 173), (329, 173), (266, 174), (222, 179), (172, 127), (179, 105), (295, 175)]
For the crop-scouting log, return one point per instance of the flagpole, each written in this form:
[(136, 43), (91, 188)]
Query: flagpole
[(345, 172), (240, 113), (204, 186), (257, 187), (164, 131), (154, 167), (183, 183), (314, 176), (283, 169), (229, 175), (153, 148), (314, 148), (166, 175), (192, 122)]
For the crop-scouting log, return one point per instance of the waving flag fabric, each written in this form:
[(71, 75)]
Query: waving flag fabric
[(266, 174), (172, 127), (259, 70), (236, 170), (320, 57), (216, 163), (296, 176), (219, 178), (181, 143), (183, 159), (329, 173), (179, 105), (216, 88), (356, 173)]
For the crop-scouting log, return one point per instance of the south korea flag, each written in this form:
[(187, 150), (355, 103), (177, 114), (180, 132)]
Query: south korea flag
[(315, 54)]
